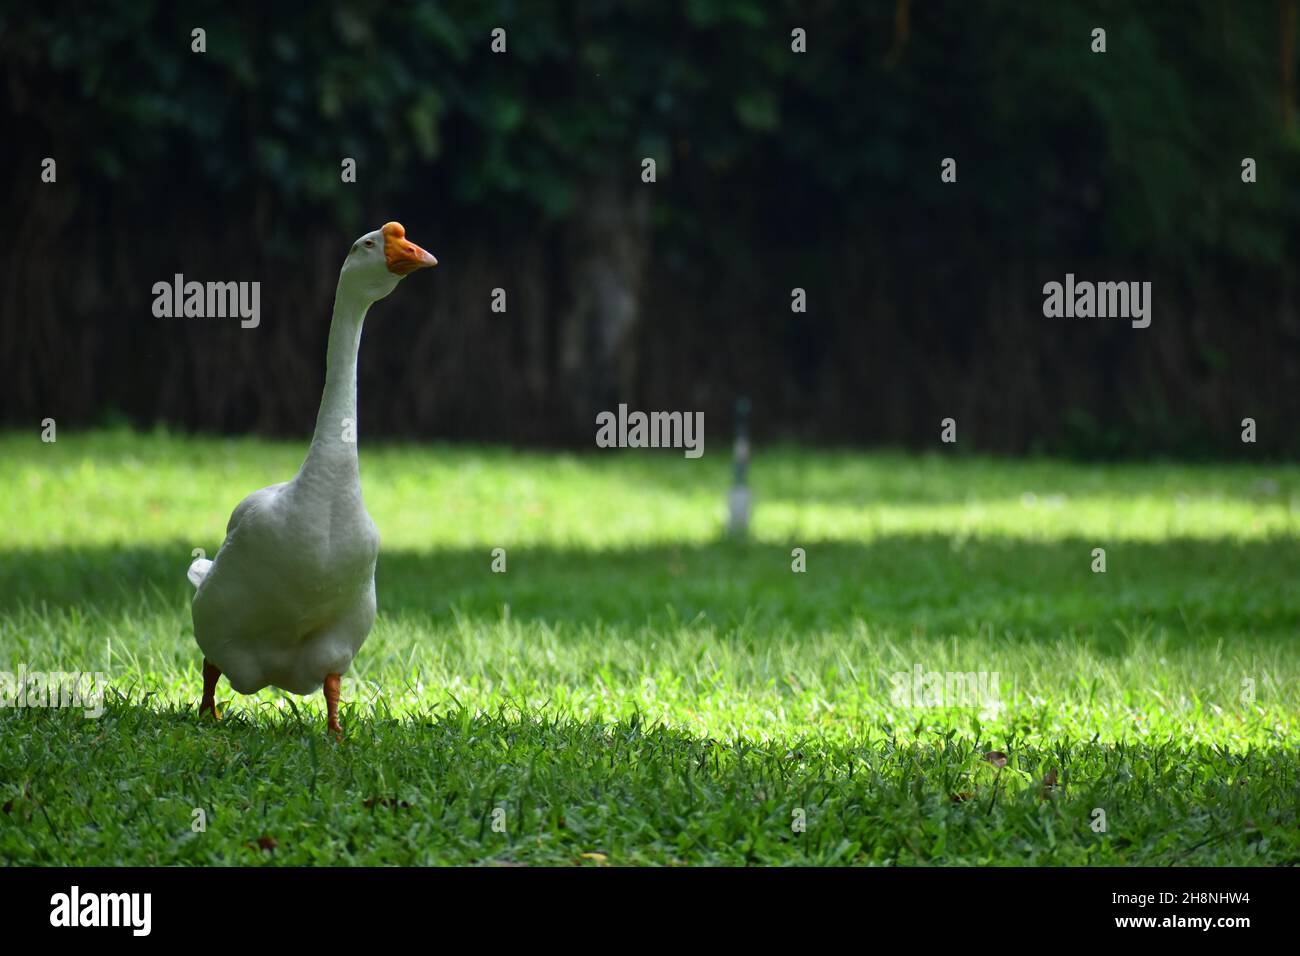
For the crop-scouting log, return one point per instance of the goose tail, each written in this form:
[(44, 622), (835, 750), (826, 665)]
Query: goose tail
[(198, 571)]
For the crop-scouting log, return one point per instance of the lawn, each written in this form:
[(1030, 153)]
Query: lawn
[(635, 689)]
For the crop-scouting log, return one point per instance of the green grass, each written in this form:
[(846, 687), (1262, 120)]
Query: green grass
[(634, 689)]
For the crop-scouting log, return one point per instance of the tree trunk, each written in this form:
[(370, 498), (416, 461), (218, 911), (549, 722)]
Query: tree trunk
[(1286, 53), (608, 249)]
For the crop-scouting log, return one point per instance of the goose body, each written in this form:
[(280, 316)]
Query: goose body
[(289, 598)]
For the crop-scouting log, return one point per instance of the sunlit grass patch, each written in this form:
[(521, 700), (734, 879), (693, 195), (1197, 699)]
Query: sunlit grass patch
[(637, 689)]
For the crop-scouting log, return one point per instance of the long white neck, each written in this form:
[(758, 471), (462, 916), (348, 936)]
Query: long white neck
[(332, 458)]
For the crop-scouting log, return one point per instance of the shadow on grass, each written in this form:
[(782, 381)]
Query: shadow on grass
[(926, 582), (892, 478)]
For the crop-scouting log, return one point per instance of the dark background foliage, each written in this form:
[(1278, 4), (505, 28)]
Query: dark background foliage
[(775, 170)]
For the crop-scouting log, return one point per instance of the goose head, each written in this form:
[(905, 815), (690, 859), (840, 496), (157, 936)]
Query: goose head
[(381, 259)]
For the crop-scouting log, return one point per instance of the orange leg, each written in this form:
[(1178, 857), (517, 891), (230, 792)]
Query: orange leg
[(210, 677), (332, 703)]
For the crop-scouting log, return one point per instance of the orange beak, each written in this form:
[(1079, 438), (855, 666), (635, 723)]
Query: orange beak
[(403, 256)]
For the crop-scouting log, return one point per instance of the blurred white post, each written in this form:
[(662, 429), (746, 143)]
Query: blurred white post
[(739, 501)]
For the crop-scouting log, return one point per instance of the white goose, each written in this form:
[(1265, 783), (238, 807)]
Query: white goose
[(290, 597)]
